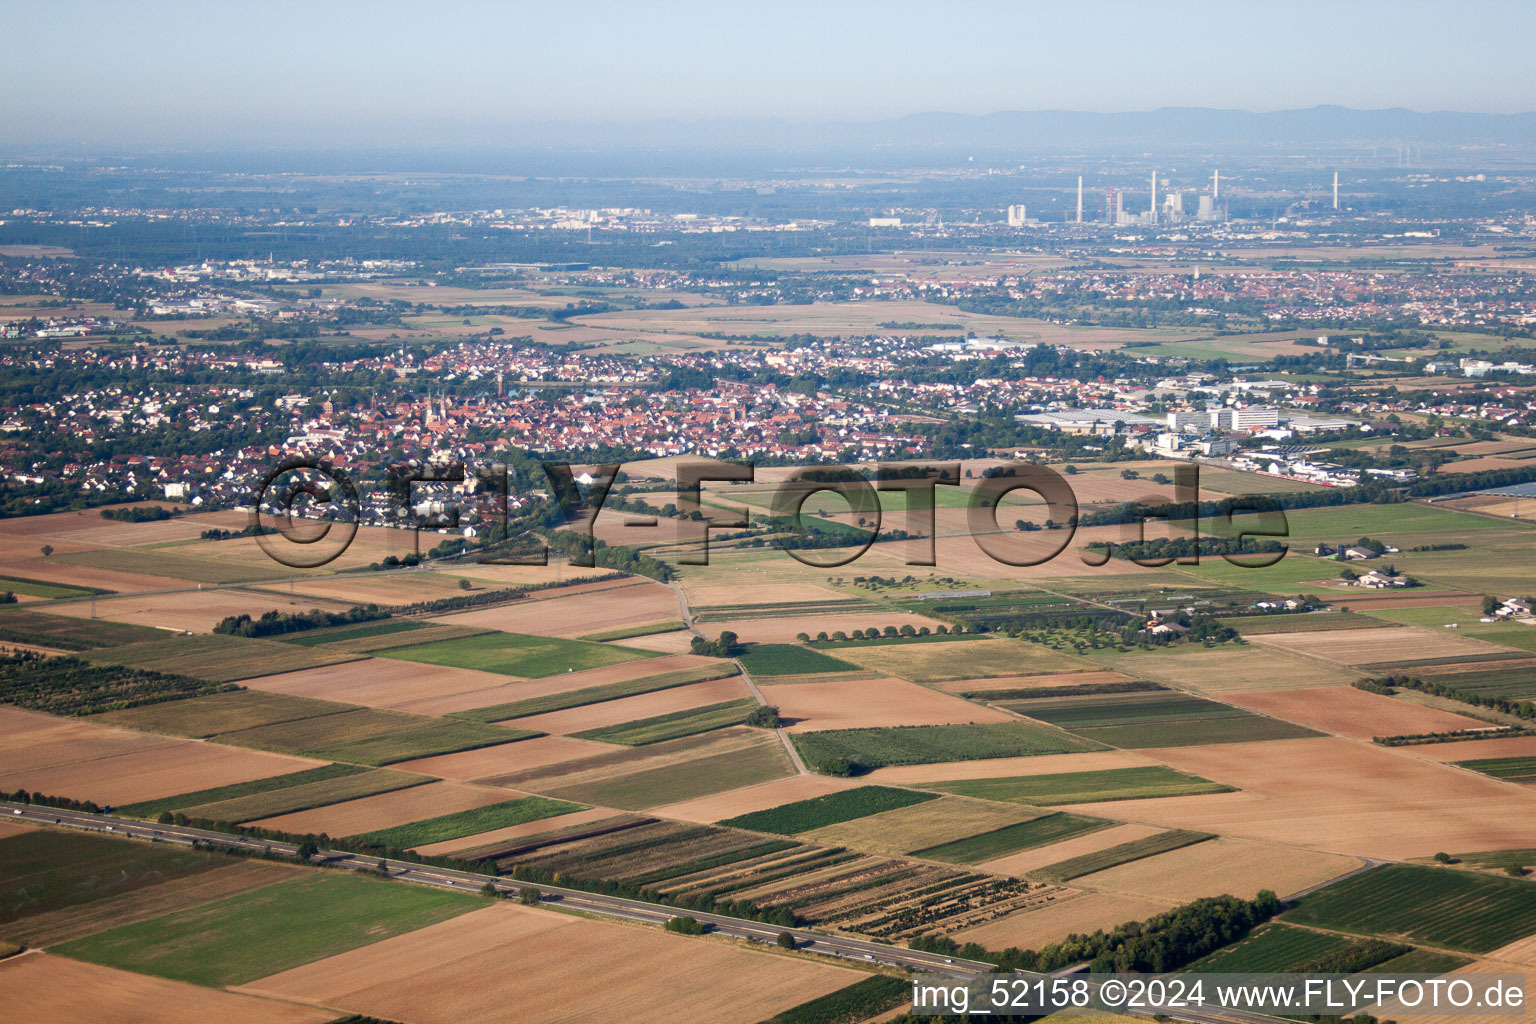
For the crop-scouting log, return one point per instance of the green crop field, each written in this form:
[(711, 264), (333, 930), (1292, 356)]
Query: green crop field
[(1156, 719), (292, 799), (1510, 683), (672, 783), (47, 870), (597, 694), (153, 808), (1274, 949), (358, 643), (927, 744), (366, 631), (931, 662), (1136, 849), (789, 660), (863, 1000), (439, 737), (1515, 769), (675, 725), (805, 815), (1085, 787), (1420, 961), (517, 654), (1437, 906), (1498, 860), (216, 657), (469, 823), (630, 632), (1026, 835), (24, 626), (249, 936), (373, 736), (222, 712), (38, 588)]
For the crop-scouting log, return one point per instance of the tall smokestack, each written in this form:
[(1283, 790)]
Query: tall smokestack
[(1335, 190), (1079, 198), (1154, 197), (1216, 186)]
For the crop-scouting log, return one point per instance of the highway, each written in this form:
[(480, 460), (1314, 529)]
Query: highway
[(872, 953), (858, 950)]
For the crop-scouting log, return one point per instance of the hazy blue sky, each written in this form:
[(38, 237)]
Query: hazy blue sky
[(285, 71)]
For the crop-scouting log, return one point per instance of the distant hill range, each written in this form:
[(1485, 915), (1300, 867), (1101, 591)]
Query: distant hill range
[(1035, 129)]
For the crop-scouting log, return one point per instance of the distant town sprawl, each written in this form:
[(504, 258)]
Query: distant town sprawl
[(175, 349)]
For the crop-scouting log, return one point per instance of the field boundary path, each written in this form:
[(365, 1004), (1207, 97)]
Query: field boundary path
[(789, 744), (757, 695)]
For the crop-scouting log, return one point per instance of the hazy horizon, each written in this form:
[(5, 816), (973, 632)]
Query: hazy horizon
[(173, 74)]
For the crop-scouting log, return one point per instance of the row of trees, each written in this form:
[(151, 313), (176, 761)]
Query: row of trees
[(1163, 943), (1389, 685), (276, 623), (875, 633)]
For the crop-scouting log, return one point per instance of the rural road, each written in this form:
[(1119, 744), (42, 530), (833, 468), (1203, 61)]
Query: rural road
[(757, 695), (857, 950)]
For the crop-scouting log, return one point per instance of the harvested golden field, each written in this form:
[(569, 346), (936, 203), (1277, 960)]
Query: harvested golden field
[(1337, 795), (1071, 912), (677, 641), (387, 810), (39, 987), (1029, 860), (1368, 601), (1370, 646), (1491, 964), (1232, 866), (195, 610), (504, 758), (630, 709), (457, 972), (1474, 750), (956, 552), (920, 826), (574, 614), (379, 682), (959, 659), (1228, 669), (870, 703), (1351, 712), (528, 828), (1006, 767), (86, 530), (382, 588), (30, 740), (498, 576), (709, 809), (1521, 951), (561, 682), (1085, 678), (152, 774), (85, 576), (707, 595)]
